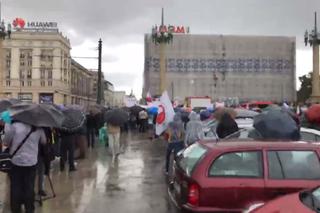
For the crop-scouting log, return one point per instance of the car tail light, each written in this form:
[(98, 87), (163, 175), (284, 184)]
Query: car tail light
[(193, 194)]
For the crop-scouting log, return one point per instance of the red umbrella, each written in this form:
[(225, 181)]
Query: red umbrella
[(313, 114)]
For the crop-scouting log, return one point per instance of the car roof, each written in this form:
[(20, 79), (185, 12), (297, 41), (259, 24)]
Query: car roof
[(309, 130), (258, 144)]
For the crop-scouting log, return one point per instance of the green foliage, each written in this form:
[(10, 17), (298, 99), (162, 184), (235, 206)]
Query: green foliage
[(305, 91)]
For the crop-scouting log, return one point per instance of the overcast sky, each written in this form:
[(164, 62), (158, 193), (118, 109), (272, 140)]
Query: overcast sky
[(122, 23)]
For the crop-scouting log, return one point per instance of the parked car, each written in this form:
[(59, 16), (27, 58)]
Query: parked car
[(305, 201), (311, 135), (233, 176)]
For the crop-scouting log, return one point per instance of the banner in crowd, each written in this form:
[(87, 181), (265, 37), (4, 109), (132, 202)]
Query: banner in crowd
[(165, 113)]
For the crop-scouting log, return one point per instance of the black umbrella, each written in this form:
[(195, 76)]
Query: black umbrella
[(136, 109), (116, 117), (74, 120), (39, 115), (6, 103), (276, 124)]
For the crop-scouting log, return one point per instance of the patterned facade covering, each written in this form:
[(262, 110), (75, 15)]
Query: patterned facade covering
[(243, 67)]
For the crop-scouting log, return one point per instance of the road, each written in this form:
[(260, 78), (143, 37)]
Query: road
[(135, 183)]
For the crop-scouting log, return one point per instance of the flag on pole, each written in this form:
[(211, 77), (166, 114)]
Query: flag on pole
[(165, 113)]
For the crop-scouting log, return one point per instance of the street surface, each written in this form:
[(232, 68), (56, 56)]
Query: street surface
[(135, 183)]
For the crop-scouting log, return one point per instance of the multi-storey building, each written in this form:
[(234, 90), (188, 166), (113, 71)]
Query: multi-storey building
[(38, 68), (220, 67)]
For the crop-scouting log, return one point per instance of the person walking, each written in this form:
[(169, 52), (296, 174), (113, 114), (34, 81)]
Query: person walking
[(143, 117), (23, 171), (194, 130), (175, 134), (227, 125), (114, 140), (67, 150)]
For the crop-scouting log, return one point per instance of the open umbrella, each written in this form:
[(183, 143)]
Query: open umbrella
[(39, 115), (74, 120), (6, 103), (313, 114), (245, 113), (96, 109), (116, 117), (276, 125), (136, 109)]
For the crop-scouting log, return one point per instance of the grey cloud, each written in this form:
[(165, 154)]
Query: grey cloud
[(121, 79), (120, 21)]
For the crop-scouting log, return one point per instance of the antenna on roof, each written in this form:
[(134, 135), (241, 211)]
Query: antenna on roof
[(162, 17)]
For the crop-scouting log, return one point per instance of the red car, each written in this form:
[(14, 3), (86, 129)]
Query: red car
[(233, 176), (307, 201)]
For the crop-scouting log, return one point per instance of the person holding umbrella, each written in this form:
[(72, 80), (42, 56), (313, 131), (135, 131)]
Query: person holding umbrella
[(23, 172), (115, 119)]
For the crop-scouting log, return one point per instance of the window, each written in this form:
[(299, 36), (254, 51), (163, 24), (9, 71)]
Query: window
[(29, 83), (42, 83), (8, 83), (49, 74), (22, 83), (190, 157), (49, 83), (29, 74), (238, 164), (306, 136), (293, 165), (42, 73)]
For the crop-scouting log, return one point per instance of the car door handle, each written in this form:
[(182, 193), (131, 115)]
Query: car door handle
[(243, 184)]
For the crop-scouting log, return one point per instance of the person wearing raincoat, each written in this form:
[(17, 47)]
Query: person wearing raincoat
[(175, 134), (194, 130)]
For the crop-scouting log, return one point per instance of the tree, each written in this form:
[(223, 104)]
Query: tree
[(305, 90)]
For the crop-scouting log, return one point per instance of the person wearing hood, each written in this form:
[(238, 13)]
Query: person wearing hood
[(227, 125), (175, 133), (194, 131)]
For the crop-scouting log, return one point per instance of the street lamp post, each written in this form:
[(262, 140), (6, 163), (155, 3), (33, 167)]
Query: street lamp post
[(313, 39), (161, 36)]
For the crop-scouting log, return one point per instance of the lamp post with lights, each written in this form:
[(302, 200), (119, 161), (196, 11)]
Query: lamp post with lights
[(161, 37)]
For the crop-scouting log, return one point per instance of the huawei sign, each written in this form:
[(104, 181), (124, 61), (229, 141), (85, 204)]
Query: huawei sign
[(18, 23)]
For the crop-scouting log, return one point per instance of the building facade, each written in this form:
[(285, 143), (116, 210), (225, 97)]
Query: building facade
[(118, 99), (220, 67), (82, 85), (38, 68), (108, 93)]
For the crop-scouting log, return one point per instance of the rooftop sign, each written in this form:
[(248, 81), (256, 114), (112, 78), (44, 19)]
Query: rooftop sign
[(171, 29), (20, 24)]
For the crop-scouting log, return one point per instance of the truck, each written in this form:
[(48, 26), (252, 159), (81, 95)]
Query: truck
[(198, 102)]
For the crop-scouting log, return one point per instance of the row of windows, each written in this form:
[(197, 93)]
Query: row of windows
[(29, 83), (281, 165)]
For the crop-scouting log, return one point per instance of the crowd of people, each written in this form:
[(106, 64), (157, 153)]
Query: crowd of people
[(43, 145), (33, 149)]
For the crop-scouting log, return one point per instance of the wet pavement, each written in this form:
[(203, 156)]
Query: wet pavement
[(135, 183)]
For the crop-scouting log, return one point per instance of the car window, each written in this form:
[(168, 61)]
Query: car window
[(293, 165), (306, 136), (238, 164), (190, 157)]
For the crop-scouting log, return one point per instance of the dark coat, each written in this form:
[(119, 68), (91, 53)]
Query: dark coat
[(226, 126)]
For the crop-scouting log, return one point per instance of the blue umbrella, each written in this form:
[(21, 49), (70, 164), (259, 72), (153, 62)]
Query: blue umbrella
[(205, 114), (153, 110)]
